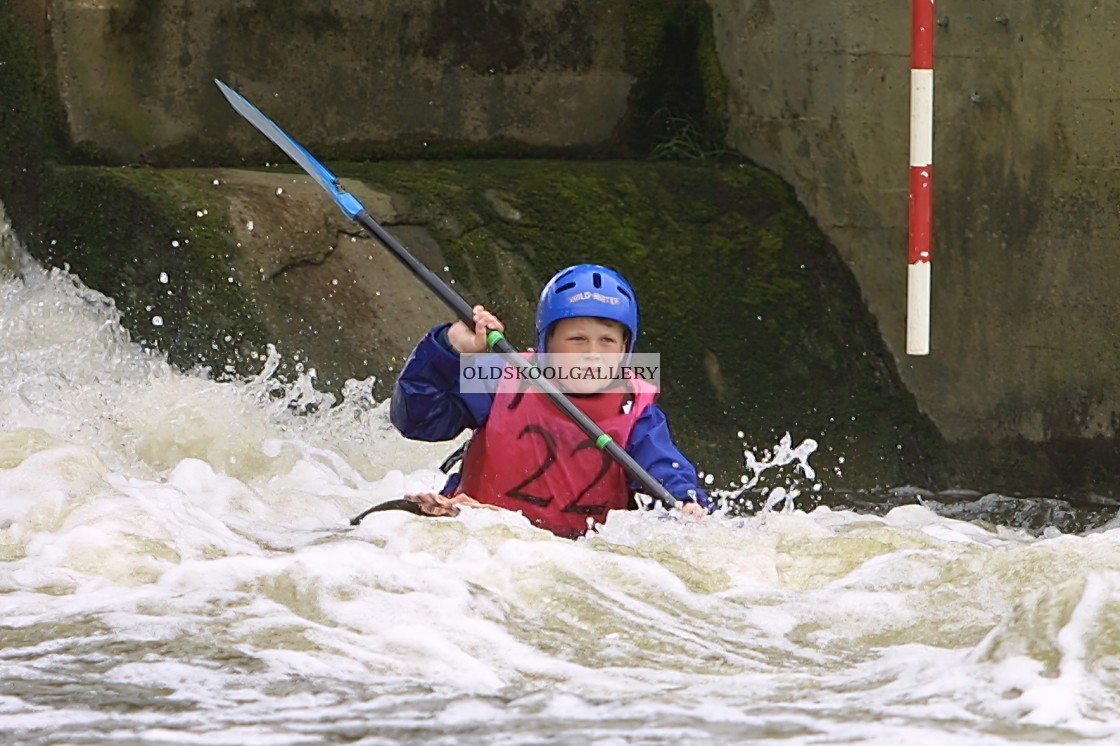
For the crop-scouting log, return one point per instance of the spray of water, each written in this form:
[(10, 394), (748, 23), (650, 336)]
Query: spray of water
[(768, 466)]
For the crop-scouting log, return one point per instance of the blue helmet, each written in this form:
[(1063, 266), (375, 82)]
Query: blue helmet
[(587, 290)]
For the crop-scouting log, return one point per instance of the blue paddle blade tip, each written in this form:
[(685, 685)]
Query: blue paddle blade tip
[(346, 202)]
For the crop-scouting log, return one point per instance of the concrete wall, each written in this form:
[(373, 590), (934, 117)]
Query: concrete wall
[(136, 74), (1026, 190)]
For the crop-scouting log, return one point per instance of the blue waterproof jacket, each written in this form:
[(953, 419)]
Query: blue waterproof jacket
[(428, 405)]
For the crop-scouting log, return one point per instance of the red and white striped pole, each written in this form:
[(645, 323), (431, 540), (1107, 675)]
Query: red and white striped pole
[(921, 178)]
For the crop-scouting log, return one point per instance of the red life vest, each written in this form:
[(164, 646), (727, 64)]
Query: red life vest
[(529, 456)]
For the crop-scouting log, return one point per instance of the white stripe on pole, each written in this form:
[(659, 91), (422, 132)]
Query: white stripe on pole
[(921, 117), (917, 308)]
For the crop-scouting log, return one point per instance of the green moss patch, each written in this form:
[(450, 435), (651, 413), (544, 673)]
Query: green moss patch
[(760, 326), (157, 242)]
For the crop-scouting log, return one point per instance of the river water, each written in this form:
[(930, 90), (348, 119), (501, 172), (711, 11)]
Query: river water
[(177, 566)]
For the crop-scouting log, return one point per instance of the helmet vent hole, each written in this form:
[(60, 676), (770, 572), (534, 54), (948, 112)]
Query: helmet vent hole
[(565, 287), (597, 280), (623, 291)]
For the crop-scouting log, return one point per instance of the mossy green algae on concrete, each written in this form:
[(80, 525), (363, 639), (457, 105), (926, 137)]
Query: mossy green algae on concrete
[(157, 242), (760, 325)]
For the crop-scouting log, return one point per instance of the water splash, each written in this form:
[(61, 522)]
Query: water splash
[(781, 455)]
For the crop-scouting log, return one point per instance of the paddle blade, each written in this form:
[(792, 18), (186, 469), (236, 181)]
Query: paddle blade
[(399, 504), (346, 202)]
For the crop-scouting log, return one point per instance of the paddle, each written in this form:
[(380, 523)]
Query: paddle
[(354, 210), (398, 504)]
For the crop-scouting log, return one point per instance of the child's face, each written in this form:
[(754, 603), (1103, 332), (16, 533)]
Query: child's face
[(588, 343), (587, 335)]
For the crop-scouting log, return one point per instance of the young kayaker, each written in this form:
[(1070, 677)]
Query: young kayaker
[(525, 454)]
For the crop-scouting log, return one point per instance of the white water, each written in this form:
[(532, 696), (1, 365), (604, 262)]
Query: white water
[(176, 566)]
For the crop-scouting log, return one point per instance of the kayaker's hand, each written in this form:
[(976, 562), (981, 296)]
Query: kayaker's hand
[(466, 340), (693, 509), (434, 504)]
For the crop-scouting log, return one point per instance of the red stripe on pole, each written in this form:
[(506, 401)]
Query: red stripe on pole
[(921, 214), (921, 47)]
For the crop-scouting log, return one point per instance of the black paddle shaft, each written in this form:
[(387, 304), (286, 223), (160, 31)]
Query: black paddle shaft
[(465, 313)]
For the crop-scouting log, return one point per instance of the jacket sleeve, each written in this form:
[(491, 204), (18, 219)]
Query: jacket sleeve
[(651, 445), (428, 403)]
